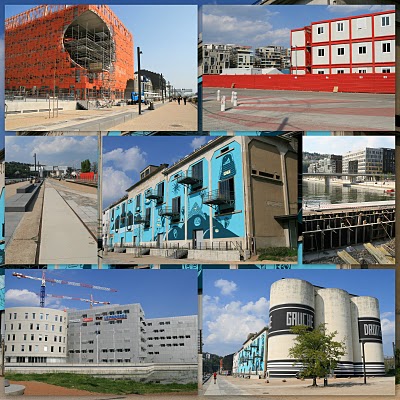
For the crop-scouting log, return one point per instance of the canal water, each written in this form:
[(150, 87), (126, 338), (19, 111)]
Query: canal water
[(317, 192)]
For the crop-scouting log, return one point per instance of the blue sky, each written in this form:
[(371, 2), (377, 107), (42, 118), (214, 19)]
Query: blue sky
[(161, 293), (58, 150), (125, 157), (236, 302), (344, 144), (167, 36), (268, 25)]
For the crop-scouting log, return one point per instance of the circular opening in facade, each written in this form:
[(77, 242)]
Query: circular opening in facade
[(88, 40)]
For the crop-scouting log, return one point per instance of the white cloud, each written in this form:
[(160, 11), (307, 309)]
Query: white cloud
[(364, 9), (59, 150), (388, 327), (24, 297), (132, 159), (198, 142), (227, 287), (227, 325), (387, 314), (343, 144), (242, 25), (115, 184)]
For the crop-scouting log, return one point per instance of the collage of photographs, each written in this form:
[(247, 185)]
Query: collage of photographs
[(199, 200)]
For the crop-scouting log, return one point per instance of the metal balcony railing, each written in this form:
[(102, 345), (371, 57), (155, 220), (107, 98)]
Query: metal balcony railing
[(218, 197), (188, 178), (138, 219), (169, 212), (152, 194)]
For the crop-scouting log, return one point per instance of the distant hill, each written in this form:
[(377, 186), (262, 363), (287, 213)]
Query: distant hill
[(17, 170)]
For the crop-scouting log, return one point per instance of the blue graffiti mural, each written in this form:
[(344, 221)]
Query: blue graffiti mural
[(251, 359)]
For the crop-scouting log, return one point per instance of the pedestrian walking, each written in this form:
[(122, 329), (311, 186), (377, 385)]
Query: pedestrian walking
[(184, 100), (179, 100), (215, 378)]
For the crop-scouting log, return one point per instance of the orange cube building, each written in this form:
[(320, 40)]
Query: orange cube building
[(79, 51)]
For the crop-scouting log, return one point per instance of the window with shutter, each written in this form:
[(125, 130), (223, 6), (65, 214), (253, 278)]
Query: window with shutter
[(148, 215)]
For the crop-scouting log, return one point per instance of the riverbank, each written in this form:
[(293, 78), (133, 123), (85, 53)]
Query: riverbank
[(386, 185)]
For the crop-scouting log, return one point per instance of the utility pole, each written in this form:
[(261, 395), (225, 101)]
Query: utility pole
[(139, 81)]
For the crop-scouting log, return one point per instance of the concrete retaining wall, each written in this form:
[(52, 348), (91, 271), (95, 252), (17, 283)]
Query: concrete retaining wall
[(23, 107), (159, 373)]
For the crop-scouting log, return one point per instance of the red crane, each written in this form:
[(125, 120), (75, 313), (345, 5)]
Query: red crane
[(43, 279), (91, 301)]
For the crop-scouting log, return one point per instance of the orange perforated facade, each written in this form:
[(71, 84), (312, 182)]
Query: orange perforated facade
[(81, 51)]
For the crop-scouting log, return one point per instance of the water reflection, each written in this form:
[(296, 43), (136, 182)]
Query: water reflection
[(314, 191)]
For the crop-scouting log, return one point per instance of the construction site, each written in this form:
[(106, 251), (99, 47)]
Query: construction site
[(111, 353), (355, 234), (64, 51), (71, 67)]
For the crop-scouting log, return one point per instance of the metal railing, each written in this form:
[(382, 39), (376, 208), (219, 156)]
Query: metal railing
[(223, 246), (153, 194), (168, 212), (219, 197), (189, 178)]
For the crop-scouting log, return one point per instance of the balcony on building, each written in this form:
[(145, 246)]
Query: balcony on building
[(152, 194), (190, 177), (139, 219), (170, 212), (219, 197)]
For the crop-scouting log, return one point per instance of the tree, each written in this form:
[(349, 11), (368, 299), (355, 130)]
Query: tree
[(85, 166), (316, 350), (94, 167)]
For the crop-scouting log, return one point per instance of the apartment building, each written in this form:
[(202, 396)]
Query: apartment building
[(272, 57), (35, 335), (358, 44)]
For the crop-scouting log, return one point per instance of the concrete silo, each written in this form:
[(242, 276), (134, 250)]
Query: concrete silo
[(291, 303), (366, 325), (332, 308)]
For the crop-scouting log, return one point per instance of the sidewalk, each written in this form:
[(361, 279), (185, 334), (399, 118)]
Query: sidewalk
[(167, 117), (83, 202), (64, 239)]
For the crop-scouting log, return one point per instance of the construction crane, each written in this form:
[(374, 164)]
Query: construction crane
[(91, 301), (43, 279)]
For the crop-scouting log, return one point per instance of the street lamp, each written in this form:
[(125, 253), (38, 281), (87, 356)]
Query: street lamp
[(139, 81)]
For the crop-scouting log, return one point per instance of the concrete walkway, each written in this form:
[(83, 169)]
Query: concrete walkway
[(222, 387), (167, 117), (83, 204), (228, 386), (64, 239)]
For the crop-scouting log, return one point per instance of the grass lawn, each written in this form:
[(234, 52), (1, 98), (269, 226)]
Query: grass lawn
[(103, 385), (277, 254)]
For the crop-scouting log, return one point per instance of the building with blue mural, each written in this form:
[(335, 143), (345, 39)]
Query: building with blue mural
[(250, 360), (224, 201)]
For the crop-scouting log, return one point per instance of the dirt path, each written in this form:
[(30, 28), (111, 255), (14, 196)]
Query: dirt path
[(45, 389)]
